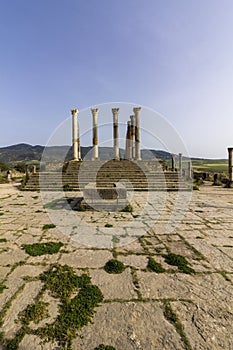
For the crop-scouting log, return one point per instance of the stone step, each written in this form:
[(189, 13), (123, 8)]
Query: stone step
[(106, 174)]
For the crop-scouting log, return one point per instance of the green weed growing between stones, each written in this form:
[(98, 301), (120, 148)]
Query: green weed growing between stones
[(48, 226), (34, 312), (2, 287), (154, 266), (78, 299), (179, 261), (108, 225), (172, 318), (74, 312), (38, 249), (104, 347), (127, 209)]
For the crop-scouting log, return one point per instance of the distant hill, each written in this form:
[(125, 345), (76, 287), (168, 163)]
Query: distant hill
[(24, 152)]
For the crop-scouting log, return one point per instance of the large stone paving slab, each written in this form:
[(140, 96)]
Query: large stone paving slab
[(208, 287), (206, 325), (130, 326), (114, 286)]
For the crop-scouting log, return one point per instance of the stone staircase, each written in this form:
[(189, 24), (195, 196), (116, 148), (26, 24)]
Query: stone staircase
[(138, 176)]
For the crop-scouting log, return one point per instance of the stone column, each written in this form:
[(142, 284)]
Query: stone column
[(137, 111), (127, 142), (34, 169), (95, 152), (79, 147), (132, 119), (173, 162), (180, 163), (189, 171), (115, 112), (230, 165), (75, 138), (27, 174)]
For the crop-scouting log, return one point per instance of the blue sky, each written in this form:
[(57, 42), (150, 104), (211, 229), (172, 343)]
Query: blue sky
[(173, 56)]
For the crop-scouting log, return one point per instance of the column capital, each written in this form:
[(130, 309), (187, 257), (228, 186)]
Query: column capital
[(132, 119), (94, 110), (137, 109), (74, 111), (115, 110)]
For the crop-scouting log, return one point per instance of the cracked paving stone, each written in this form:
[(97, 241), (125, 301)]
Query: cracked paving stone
[(131, 326)]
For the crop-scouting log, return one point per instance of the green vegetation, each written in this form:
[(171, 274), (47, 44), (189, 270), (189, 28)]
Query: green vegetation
[(3, 166), (14, 343), (34, 312), (74, 313), (48, 226), (38, 249), (172, 318), (114, 266), (67, 187), (108, 225), (210, 165), (1, 214), (78, 299), (154, 266), (127, 209), (2, 287), (179, 261), (104, 347), (3, 240), (23, 182)]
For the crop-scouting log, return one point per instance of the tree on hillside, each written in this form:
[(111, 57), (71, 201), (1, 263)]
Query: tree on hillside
[(21, 167), (3, 166)]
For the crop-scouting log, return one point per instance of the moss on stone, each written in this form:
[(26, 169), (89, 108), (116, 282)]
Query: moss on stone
[(38, 249), (154, 266), (114, 266)]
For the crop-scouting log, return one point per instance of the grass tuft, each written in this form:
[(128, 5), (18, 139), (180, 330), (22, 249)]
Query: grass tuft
[(172, 318), (114, 266), (179, 261), (2, 287), (48, 226), (127, 209), (38, 249), (34, 312), (108, 225), (154, 266)]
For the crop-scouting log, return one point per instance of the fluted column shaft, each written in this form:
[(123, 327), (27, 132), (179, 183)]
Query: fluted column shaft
[(115, 112), (95, 154), (75, 137), (132, 119), (230, 164), (137, 111), (127, 141)]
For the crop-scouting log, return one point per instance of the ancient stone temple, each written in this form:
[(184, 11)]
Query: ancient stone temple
[(140, 175), (132, 150)]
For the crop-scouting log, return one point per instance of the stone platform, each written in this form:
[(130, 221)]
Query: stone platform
[(141, 310), (138, 175)]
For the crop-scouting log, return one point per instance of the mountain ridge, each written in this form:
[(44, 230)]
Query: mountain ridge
[(23, 152)]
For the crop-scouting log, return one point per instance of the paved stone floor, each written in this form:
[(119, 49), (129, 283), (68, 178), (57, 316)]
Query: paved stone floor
[(141, 310)]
